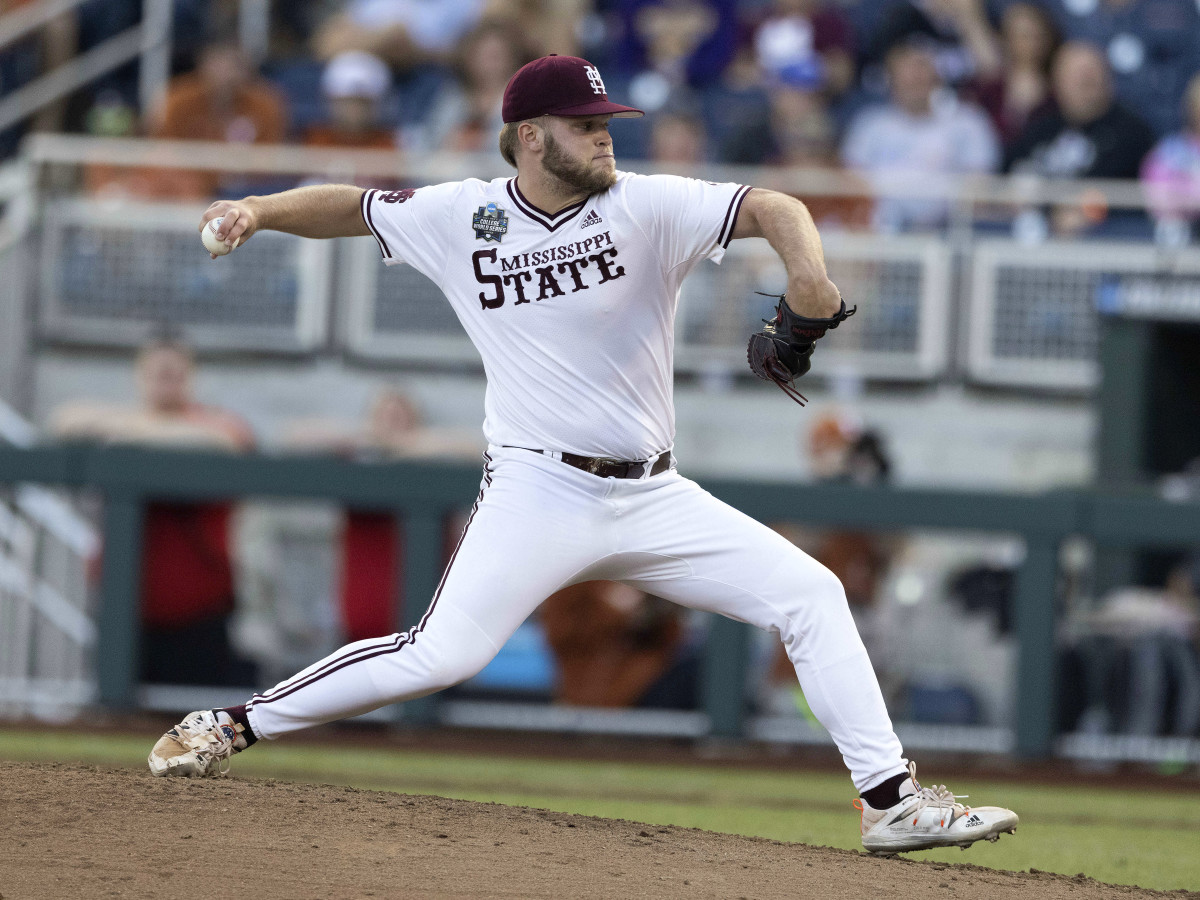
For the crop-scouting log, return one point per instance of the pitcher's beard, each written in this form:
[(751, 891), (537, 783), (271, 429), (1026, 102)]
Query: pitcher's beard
[(574, 174)]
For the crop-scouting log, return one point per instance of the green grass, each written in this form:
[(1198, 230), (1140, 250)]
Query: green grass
[(1114, 835)]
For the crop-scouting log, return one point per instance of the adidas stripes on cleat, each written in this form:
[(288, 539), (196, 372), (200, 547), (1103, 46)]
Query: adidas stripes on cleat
[(930, 817)]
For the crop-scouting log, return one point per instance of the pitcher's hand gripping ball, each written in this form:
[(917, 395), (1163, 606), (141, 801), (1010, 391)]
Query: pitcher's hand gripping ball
[(212, 243), (782, 351)]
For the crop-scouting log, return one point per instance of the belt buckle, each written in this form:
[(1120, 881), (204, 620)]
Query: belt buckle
[(598, 463)]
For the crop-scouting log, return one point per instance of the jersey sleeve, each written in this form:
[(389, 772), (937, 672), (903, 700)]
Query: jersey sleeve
[(686, 219), (410, 225)]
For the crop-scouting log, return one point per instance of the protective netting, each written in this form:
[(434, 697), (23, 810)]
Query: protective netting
[(894, 294), (127, 275), (407, 302), (1045, 313), (110, 278)]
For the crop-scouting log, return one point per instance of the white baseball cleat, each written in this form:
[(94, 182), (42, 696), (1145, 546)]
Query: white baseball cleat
[(199, 745), (930, 817)]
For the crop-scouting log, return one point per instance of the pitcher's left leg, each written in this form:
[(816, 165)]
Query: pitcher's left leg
[(688, 547)]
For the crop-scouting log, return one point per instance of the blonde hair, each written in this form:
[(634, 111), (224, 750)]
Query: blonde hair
[(508, 143), (509, 140)]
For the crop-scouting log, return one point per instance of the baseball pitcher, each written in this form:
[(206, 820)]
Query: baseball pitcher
[(566, 277)]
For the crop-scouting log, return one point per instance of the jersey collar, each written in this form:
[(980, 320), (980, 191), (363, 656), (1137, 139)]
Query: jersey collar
[(549, 221)]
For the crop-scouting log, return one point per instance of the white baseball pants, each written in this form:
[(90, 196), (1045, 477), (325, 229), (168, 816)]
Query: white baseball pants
[(540, 525)]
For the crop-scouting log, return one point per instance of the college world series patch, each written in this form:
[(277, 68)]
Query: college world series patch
[(490, 223)]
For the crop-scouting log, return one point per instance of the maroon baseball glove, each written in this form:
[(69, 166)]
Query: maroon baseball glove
[(782, 351)]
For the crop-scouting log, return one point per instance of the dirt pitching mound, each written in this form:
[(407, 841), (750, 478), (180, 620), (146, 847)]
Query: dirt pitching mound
[(69, 831)]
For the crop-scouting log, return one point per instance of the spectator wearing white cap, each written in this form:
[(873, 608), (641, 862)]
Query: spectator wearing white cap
[(355, 85), (807, 34)]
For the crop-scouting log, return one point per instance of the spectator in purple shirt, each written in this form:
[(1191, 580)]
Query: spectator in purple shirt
[(1171, 173)]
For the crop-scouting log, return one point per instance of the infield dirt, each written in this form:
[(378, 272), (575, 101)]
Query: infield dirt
[(70, 831)]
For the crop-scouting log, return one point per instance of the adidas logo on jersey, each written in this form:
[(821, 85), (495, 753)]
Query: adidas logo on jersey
[(592, 218)]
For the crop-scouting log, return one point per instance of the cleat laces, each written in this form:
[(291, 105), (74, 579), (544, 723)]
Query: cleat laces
[(211, 745), (938, 797)]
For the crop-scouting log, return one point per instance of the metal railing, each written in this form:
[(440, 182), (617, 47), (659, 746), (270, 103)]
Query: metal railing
[(47, 635), (958, 302), (17, 201), (422, 494), (149, 40)]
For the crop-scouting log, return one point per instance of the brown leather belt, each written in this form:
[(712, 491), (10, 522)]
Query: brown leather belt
[(603, 467)]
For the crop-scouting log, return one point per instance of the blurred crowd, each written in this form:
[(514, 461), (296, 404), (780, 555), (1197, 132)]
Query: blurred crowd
[(886, 89), (877, 91)]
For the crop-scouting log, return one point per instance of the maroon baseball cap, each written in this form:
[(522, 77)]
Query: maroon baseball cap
[(560, 86)]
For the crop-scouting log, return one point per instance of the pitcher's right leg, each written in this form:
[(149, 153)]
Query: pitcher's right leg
[(530, 532), (369, 674), (525, 538)]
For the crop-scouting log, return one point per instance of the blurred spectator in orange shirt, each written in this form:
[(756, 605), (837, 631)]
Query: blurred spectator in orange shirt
[(223, 100), (187, 580), (616, 646), (354, 84)]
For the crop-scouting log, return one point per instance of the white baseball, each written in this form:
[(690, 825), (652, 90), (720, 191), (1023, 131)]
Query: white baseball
[(212, 243)]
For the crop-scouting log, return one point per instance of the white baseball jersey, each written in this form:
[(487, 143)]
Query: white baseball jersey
[(573, 312)]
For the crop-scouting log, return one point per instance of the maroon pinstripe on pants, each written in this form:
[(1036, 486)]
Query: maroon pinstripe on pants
[(390, 644)]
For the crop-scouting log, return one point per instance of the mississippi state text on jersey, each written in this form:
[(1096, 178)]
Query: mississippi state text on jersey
[(573, 312)]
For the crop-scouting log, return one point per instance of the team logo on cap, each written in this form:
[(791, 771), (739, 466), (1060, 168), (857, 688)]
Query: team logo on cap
[(595, 80), (490, 223)]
